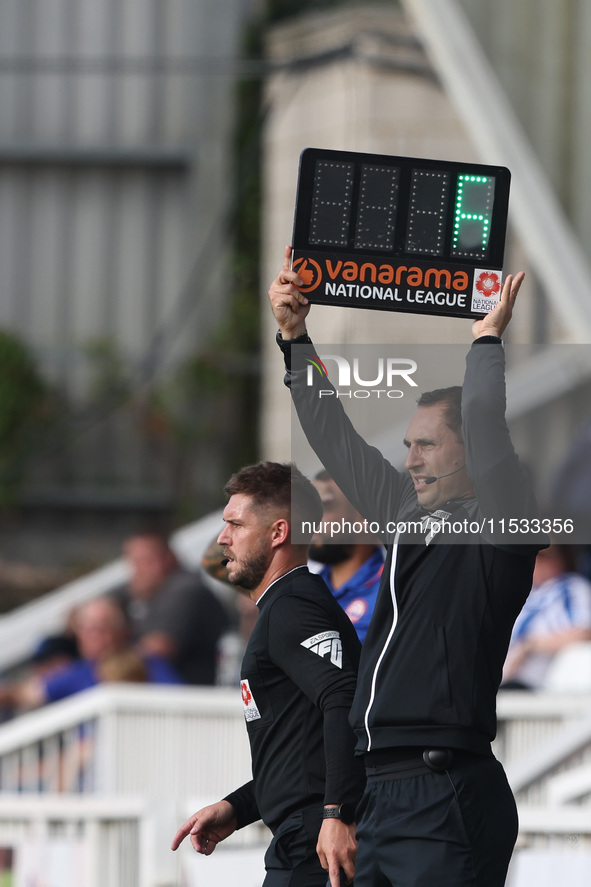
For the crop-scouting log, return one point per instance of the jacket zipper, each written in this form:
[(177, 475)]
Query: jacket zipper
[(388, 639)]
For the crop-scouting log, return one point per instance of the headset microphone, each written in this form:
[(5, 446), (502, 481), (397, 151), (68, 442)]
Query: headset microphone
[(431, 480)]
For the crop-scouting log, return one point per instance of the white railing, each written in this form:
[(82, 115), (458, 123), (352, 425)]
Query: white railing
[(540, 736), (110, 841), (128, 739), (528, 720), (73, 842), (118, 767), (544, 742)]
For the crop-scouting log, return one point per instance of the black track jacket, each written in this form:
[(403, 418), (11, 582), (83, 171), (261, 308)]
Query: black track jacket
[(432, 660)]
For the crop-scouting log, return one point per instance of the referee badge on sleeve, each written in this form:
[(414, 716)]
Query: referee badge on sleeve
[(251, 712), (327, 645)]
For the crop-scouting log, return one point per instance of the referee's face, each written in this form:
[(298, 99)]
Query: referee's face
[(246, 542), (435, 450)]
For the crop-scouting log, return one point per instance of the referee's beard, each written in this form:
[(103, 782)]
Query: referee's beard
[(249, 573)]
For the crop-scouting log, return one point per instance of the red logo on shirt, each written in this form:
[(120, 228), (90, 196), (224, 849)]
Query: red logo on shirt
[(246, 694)]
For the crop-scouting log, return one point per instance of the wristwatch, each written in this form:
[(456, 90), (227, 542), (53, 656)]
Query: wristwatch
[(345, 812)]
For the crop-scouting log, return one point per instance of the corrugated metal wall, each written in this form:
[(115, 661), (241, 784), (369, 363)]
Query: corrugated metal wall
[(104, 123), (116, 120)]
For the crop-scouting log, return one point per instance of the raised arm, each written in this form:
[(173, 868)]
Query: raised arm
[(501, 484), (368, 480), (289, 305)]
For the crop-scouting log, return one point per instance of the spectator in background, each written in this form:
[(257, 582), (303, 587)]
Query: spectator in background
[(101, 633), (171, 612), (53, 653), (123, 666), (351, 564), (570, 493), (556, 613)]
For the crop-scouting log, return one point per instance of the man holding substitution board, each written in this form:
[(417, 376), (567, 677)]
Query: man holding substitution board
[(437, 808)]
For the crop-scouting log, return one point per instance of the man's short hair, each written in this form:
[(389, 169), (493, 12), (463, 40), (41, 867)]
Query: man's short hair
[(451, 400), (278, 486)]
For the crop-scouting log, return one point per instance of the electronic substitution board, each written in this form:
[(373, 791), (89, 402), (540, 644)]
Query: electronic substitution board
[(400, 233)]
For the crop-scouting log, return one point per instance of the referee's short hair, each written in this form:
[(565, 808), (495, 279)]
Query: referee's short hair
[(451, 400), (278, 486)]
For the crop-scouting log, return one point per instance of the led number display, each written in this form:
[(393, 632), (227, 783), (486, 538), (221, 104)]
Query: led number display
[(331, 203), (473, 215), (378, 203), (367, 220), (427, 212)]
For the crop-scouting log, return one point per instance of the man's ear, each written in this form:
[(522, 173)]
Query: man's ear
[(279, 532)]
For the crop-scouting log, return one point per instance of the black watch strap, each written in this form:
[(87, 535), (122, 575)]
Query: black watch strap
[(344, 812), (488, 340), (285, 344)]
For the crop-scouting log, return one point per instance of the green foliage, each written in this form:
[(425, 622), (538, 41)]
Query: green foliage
[(110, 376), (23, 398)]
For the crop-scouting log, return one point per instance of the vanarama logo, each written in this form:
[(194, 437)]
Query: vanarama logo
[(384, 374), (310, 272), (419, 287), (386, 273)]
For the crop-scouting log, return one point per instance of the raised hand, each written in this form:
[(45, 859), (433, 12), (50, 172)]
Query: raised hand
[(289, 305), (495, 322)]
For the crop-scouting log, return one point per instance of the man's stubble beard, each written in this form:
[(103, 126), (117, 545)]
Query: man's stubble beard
[(250, 573)]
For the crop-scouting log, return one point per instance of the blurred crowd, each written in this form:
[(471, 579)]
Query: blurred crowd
[(163, 626), (556, 617)]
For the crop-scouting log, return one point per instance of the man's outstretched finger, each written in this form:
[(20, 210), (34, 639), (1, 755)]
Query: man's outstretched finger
[(182, 833), (287, 258)]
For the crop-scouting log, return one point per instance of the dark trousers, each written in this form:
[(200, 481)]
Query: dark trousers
[(291, 859), (420, 828)]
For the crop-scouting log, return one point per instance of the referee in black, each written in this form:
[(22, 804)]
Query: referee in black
[(297, 681)]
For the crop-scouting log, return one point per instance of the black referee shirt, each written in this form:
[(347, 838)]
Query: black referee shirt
[(298, 680)]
